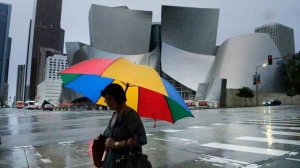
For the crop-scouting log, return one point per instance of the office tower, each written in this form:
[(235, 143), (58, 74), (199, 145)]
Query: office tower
[(50, 89), (54, 65), (45, 32), (282, 35), (5, 43), (20, 83), (45, 53)]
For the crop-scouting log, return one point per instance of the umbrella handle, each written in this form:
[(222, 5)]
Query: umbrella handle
[(103, 156), (127, 85)]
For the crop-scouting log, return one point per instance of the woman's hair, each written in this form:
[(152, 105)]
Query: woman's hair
[(116, 91)]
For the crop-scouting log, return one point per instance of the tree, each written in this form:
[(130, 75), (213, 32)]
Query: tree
[(291, 93), (293, 70), (246, 93)]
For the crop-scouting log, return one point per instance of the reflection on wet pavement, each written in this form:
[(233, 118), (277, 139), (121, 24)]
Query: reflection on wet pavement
[(248, 137)]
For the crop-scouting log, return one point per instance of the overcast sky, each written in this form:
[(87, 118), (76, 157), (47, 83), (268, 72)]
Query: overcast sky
[(236, 17)]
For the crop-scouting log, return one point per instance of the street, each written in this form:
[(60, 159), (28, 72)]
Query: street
[(233, 137)]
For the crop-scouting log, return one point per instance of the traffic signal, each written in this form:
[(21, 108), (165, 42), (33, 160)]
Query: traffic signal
[(269, 59)]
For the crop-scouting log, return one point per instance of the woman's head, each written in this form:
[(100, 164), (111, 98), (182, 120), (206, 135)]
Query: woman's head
[(114, 95)]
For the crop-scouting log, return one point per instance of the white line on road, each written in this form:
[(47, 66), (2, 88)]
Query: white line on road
[(276, 120), (46, 160), (67, 142), (282, 133), (197, 127), (297, 160), (27, 146), (218, 124), (271, 121), (223, 161), (178, 140), (265, 151), (269, 140), (149, 134), (280, 127), (170, 130), (261, 123)]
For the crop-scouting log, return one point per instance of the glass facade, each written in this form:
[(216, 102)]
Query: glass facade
[(45, 32), (5, 44)]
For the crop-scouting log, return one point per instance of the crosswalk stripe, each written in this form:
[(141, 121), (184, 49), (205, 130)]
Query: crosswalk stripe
[(218, 124), (270, 140), (291, 122), (184, 141), (261, 123), (197, 127), (298, 160), (170, 130), (223, 161), (265, 151), (67, 142), (281, 133), (281, 127)]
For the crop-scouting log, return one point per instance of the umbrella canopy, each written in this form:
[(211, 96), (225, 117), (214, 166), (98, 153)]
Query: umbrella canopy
[(149, 94)]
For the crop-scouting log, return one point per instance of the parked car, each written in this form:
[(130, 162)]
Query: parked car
[(48, 107), (272, 103), (29, 104), (20, 104)]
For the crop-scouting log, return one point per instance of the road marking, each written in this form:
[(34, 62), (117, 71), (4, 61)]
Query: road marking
[(281, 133), (258, 123), (223, 161), (280, 127), (27, 146), (149, 134), (269, 140), (67, 142), (271, 121), (284, 119), (197, 127), (265, 151), (218, 124), (170, 130), (178, 140), (46, 160), (297, 160)]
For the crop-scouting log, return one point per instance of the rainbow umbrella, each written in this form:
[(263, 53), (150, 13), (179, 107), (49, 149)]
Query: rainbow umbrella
[(149, 94)]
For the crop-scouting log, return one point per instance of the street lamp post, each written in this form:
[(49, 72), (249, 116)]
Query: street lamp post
[(256, 84)]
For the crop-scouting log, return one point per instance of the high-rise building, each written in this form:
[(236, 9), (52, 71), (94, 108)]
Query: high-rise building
[(20, 83), (282, 35), (54, 65), (50, 89), (45, 53), (5, 43), (45, 32)]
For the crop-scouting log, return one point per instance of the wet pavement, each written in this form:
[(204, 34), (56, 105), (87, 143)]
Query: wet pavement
[(233, 137)]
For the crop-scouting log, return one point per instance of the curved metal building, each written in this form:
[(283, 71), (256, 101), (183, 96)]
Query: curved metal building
[(120, 30), (187, 68), (188, 46), (190, 29), (78, 52), (238, 57)]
